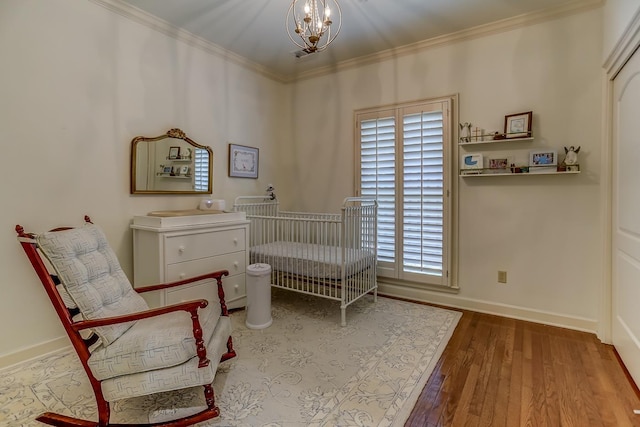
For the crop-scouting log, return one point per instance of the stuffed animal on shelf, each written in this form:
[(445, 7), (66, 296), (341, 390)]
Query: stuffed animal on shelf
[(571, 157), (465, 132)]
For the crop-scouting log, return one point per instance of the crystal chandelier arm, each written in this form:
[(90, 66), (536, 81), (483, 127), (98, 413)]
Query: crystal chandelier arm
[(299, 29)]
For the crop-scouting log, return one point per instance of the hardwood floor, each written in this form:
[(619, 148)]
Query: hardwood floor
[(497, 371)]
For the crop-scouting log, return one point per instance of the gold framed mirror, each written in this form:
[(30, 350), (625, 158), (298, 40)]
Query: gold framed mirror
[(170, 164)]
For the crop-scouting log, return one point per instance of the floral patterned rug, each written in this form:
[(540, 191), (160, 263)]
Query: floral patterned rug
[(303, 370)]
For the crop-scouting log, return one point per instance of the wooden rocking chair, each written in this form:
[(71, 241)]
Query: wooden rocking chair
[(168, 348)]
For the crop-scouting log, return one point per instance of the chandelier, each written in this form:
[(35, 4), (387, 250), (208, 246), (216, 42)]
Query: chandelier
[(310, 23)]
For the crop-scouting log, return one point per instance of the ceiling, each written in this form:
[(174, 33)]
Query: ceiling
[(255, 29)]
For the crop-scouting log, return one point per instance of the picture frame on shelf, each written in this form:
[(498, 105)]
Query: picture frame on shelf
[(167, 169), (471, 164), (184, 170), (543, 161), (174, 153), (543, 158), (243, 161), (518, 125), (498, 163)]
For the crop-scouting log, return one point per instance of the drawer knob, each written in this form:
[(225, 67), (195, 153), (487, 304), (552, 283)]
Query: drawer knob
[(235, 241), (236, 264), (181, 249), (182, 275)]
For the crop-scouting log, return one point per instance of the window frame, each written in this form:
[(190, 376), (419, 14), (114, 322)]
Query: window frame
[(395, 271)]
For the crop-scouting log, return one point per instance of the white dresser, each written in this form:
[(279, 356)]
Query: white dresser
[(166, 249)]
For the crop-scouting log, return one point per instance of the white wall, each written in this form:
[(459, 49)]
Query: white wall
[(545, 231), (78, 82)]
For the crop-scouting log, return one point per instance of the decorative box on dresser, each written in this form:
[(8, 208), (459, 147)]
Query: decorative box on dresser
[(171, 248)]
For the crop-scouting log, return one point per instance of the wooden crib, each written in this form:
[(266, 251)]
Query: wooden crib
[(323, 254)]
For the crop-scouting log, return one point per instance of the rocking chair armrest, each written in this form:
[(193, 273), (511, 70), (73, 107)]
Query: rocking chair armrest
[(190, 306), (213, 275)]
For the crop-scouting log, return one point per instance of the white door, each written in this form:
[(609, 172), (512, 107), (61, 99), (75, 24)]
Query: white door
[(626, 216)]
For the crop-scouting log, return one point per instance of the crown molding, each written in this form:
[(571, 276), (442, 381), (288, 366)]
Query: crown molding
[(151, 21), (155, 23), (624, 48), (508, 24)]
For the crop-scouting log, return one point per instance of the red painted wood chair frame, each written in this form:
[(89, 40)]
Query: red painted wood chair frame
[(81, 346)]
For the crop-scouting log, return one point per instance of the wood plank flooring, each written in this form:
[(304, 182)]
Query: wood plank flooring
[(498, 372)]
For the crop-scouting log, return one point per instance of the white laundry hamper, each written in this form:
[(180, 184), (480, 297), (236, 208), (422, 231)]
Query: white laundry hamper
[(259, 296)]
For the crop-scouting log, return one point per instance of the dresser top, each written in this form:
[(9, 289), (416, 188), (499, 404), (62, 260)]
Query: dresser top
[(170, 219)]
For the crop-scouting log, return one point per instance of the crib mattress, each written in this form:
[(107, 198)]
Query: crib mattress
[(311, 260)]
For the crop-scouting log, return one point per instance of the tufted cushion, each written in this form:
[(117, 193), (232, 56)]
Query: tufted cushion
[(176, 377), (154, 343), (92, 276)]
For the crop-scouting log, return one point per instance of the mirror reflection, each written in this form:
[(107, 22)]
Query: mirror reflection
[(170, 164)]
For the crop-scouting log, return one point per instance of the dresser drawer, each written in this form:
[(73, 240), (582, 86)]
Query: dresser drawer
[(234, 262), (186, 247), (234, 292), (202, 290)]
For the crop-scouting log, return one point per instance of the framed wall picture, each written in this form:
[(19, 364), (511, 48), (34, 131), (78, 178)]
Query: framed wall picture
[(184, 170), (243, 161), (174, 152), (518, 125)]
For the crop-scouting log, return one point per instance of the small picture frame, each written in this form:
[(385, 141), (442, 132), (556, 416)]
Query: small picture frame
[(497, 163), (184, 170), (174, 152), (518, 125), (543, 158), (243, 161), (167, 169), (471, 164)]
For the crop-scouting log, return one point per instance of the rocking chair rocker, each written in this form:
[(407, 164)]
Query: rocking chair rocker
[(126, 349)]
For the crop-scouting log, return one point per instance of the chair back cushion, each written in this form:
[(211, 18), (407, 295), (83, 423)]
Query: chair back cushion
[(91, 274)]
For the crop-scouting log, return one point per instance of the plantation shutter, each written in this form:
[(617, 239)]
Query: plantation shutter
[(201, 170), (423, 193), (377, 177), (403, 164)]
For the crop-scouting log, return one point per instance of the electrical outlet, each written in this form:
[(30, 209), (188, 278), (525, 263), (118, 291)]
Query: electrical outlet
[(502, 277)]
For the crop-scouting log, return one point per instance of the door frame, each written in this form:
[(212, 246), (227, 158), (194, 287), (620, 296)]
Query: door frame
[(625, 47)]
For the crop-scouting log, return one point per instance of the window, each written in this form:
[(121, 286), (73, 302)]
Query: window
[(201, 170), (403, 162)]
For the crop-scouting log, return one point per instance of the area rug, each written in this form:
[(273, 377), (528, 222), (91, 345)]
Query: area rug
[(303, 370)]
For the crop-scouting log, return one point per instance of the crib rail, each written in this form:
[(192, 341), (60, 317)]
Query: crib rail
[(324, 254), (359, 235), (256, 205)]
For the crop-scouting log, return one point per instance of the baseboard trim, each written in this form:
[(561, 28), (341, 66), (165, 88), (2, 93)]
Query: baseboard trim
[(488, 307), (33, 352)]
